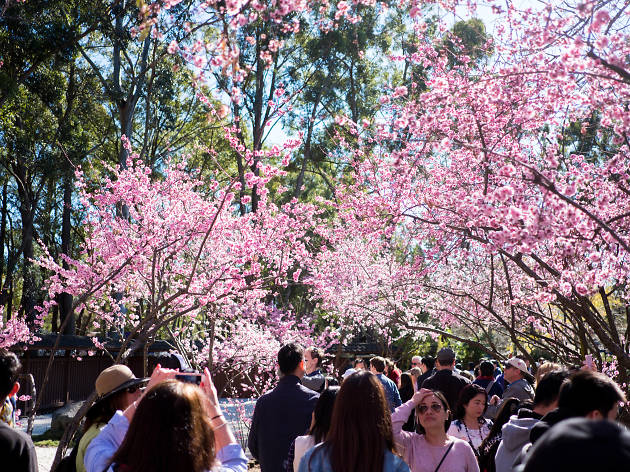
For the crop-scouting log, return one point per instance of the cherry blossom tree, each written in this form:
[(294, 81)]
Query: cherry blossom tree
[(493, 197), (14, 330), (185, 265), (181, 257), (510, 220)]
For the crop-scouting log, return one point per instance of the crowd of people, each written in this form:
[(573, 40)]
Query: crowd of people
[(434, 417), (437, 416)]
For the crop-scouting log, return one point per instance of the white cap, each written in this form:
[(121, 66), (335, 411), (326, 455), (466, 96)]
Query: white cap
[(520, 365)]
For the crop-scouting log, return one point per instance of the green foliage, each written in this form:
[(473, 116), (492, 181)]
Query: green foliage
[(467, 39), (48, 438)]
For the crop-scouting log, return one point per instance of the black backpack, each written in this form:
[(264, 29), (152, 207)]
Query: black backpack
[(68, 463)]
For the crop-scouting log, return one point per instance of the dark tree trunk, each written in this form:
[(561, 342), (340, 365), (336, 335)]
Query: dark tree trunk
[(30, 290), (3, 229), (65, 299)]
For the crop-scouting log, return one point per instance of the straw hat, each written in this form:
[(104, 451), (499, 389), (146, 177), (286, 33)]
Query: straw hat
[(114, 379)]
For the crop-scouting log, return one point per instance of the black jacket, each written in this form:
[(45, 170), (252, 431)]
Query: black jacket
[(17, 452), (547, 421), (280, 416), (449, 383), (425, 376)]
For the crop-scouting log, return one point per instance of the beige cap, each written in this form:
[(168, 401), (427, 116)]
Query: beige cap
[(114, 379)]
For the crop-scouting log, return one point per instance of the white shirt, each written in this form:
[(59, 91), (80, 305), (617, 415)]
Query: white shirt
[(302, 444), (472, 436)]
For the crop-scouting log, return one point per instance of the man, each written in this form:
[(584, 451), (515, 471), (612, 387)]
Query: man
[(416, 361), (427, 365), (581, 444), (520, 384), (359, 364), (377, 367), (313, 378), (282, 414), (588, 394), (445, 379), (515, 433), (17, 452)]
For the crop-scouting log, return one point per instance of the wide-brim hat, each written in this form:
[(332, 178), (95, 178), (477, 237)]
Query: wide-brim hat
[(520, 365), (114, 379)]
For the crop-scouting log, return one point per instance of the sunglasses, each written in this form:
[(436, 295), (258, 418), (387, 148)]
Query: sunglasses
[(133, 389), (436, 407)]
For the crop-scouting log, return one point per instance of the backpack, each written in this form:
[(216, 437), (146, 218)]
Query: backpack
[(68, 463)]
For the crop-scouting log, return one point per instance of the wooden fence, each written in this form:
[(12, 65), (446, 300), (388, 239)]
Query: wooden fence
[(70, 379)]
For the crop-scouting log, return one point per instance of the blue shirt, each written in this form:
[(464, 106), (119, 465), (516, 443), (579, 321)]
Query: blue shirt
[(321, 462), (496, 388), (391, 392)]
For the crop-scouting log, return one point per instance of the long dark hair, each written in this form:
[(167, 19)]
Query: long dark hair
[(406, 381), (406, 387), (361, 426), (170, 432), (469, 392), (323, 414), (508, 408)]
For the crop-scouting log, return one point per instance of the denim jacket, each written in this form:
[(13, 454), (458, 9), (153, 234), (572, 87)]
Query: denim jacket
[(321, 462)]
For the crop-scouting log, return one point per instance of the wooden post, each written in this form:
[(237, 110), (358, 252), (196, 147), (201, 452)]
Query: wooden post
[(66, 377)]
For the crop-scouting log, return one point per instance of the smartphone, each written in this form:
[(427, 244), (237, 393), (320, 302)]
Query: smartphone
[(190, 377), (588, 361)]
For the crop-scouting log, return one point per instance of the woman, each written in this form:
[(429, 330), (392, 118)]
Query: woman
[(469, 424), (174, 427), (320, 425), (432, 450), (406, 391), (360, 435), (488, 448), (116, 389)]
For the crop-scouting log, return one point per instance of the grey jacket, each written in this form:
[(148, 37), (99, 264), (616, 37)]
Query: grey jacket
[(515, 434), (520, 389), (315, 381)]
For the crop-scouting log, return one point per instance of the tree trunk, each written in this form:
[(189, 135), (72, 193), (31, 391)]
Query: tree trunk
[(3, 229), (65, 299), (307, 146), (27, 212)]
